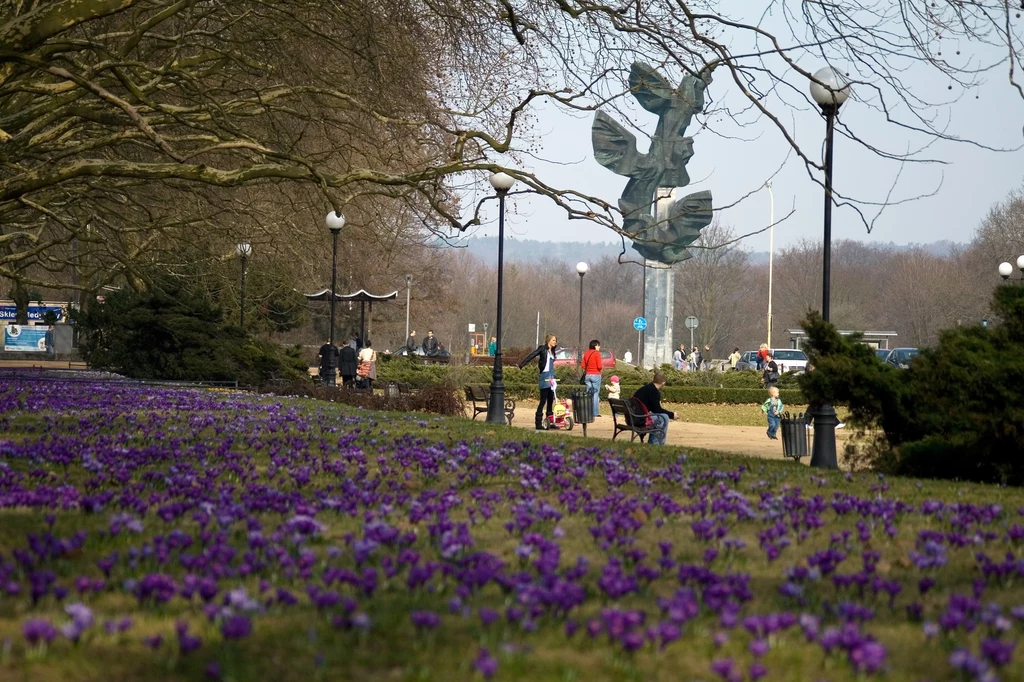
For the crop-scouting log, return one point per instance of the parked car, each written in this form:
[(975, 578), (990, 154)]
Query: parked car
[(790, 359), (747, 361), (565, 356), (901, 357), (607, 359), (404, 351), (882, 353)]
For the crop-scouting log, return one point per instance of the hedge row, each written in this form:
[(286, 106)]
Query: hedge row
[(677, 394)]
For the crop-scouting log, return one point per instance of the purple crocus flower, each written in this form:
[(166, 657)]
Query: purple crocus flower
[(236, 626), (38, 630), (485, 664)]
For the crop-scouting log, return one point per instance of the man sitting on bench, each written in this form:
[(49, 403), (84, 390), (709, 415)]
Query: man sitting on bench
[(647, 403)]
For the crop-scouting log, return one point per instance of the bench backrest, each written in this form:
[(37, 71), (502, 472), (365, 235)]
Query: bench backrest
[(619, 409), (477, 393)]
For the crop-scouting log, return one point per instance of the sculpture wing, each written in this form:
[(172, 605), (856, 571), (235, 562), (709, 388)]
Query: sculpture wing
[(651, 90), (614, 146), (687, 217)]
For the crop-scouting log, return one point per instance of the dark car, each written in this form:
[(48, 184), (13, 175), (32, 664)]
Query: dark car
[(901, 357)]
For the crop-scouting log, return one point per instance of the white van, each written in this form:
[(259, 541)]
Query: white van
[(790, 359)]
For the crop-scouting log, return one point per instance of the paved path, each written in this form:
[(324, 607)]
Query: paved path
[(742, 440)]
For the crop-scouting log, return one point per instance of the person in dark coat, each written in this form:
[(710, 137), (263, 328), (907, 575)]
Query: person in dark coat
[(649, 398), (545, 355), (347, 365), (328, 363)]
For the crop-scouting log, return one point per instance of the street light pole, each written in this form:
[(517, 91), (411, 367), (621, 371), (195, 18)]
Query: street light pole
[(502, 183), (829, 89), (771, 256), (582, 269), (408, 289), (335, 221), (244, 250)]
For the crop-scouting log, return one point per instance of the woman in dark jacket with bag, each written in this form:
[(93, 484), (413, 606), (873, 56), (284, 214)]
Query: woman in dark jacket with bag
[(546, 364)]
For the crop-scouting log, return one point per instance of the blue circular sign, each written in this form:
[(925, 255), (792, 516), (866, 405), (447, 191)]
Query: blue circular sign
[(639, 324)]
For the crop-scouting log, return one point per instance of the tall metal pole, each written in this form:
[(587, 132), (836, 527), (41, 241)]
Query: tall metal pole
[(826, 265), (408, 290), (536, 340), (823, 449), (241, 311), (579, 338), (771, 257), (496, 404), (334, 277)]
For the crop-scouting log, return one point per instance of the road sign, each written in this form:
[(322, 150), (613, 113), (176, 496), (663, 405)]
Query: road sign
[(690, 322), (472, 327), (639, 324)]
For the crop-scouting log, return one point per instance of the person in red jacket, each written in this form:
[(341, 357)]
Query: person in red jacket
[(592, 374)]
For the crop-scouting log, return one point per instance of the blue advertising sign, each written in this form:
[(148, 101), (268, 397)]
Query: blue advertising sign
[(25, 339), (639, 324), (9, 311)]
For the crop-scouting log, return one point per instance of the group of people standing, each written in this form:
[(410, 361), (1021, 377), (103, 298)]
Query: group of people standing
[(355, 362), (648, 396), (695, 359)]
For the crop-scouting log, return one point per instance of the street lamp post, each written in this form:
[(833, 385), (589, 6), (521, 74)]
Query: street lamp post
[(487, 339), (408, 289), (581, 269), (829, 89), (335, 221), (502, 183), (243, 250), (771, 256)]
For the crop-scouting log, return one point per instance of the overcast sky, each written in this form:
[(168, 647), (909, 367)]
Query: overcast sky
[(733, 159)]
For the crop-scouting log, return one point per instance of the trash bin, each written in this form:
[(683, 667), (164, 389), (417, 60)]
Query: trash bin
[(582, 408), (391, 390), (794, 436)]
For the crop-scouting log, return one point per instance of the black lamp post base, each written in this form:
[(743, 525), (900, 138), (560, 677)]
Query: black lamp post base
[(496, 403), (823, 449)]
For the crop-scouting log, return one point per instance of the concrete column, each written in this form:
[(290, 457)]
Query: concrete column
[(660, 282)]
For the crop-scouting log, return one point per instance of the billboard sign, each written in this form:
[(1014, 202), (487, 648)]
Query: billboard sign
[(25, 339), (36, 310)]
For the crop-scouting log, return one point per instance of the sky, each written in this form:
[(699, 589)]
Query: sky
[(734, 159)]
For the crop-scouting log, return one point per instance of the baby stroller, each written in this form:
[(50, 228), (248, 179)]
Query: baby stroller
[(562, 414)]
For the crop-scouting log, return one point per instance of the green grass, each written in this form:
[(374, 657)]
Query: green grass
[(731, 415), (300, 643)]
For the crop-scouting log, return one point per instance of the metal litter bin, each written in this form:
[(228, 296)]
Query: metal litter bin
[(795, 437), (582, 408), (391, 390)]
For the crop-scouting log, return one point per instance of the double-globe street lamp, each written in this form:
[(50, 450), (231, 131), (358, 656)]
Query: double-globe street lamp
[(335, 221), (502, 183), (829, 89), (1005, 269), (581, 269), (243, 251)]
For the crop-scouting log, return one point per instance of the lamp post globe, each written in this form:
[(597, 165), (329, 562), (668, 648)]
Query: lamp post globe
[(502, 183), (1005, 270), (243, 251), (829, 89), (1020, 263), (335, 221)]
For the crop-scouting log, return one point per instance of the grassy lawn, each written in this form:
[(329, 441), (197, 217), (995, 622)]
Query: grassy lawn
[(731, 415), (174, 535)]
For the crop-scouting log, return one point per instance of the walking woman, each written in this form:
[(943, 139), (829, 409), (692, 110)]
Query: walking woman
[(546, 363), (592, 374), (367, 367)]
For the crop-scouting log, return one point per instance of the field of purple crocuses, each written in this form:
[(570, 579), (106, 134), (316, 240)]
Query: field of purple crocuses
[(167, 534)]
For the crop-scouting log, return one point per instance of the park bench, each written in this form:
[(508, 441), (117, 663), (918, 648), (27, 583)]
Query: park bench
[(480, 397), (624, 419)]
